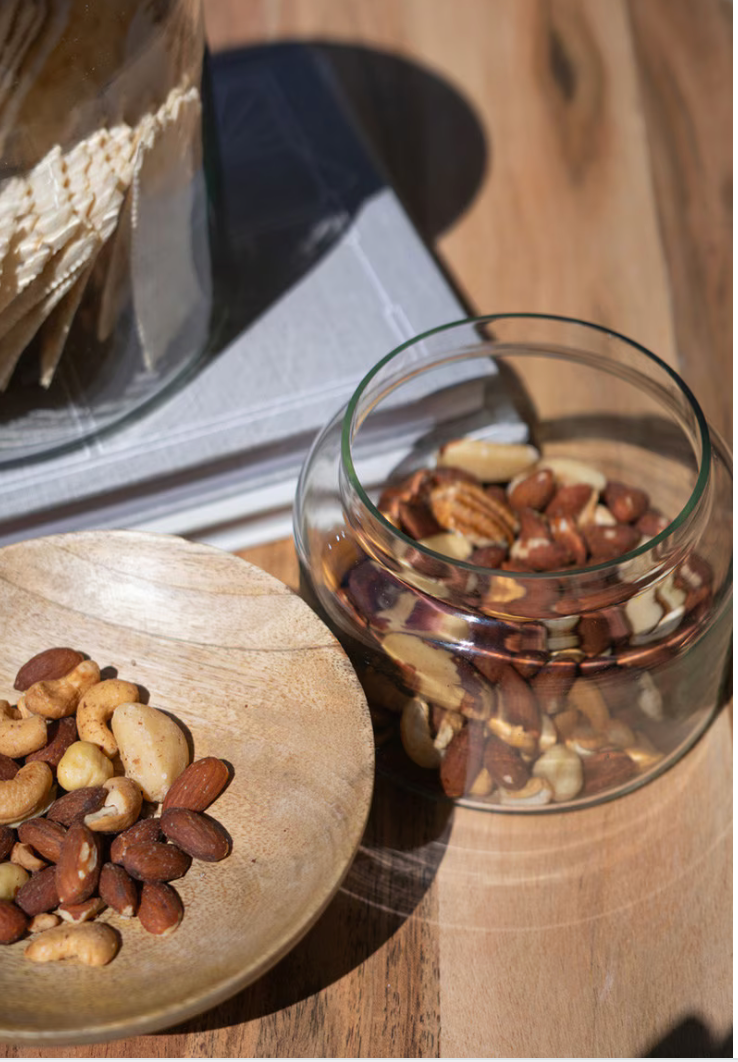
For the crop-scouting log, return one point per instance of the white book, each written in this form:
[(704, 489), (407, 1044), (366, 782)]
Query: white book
[(344, 279)]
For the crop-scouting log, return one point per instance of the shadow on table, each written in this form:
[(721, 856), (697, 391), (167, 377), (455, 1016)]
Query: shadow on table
[(692, 1039), (401, 850), (424, 134), (429, 146), (304, 133)]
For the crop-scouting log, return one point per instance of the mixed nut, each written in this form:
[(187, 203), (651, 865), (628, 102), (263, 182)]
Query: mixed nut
[(83, 766), (516, 690)]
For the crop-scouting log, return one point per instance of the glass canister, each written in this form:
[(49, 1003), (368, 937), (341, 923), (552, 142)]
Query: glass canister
[(105, 284), (520, 530)]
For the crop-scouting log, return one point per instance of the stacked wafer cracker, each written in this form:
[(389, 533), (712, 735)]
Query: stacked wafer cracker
[(76, 207)]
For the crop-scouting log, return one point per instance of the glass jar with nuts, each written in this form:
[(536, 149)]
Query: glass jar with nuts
[(519, 528), (105, 291)]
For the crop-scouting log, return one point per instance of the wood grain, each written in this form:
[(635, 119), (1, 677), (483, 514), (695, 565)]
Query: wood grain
[(684, 58), (605, 195), (254, 678)]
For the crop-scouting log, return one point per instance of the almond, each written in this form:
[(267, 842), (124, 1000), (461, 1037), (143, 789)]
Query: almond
[(505, 764), (540, 555), (573, 501), (417, 520), (61, 734), (596, 665), (517, 703), (118, 890), (462, 761), (371, 590), (155, 861), (77, 804), (552, 684), (532, 525), (78, 867), (617, 624), (46, 666), (594, 634), (533, 492), (44, 836), (529, 662), (651, 523), (8, 768), (565, 532), (39, 894), (535, 549), (538, 600), (488, 556), (605, 770), (145, 831), (198, 786), (197, 834), (7, 840), (608, 543), (161, 910), (491, 664), (627, 504), (13, 922)]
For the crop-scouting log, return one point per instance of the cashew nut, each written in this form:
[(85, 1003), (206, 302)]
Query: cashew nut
[(23, 712), (19, 736), (11, 878), (517, 736), (91, 944), (535, 792), (96, 707), (24, 856), (26, 795), (83, 765), (585, 697), (562, 769), (620, 734), (121, 808), (416, 734), (55, 698), (548, 733), (450, 725), (41, 922), (643, 752), (649, 698), (585, 741)]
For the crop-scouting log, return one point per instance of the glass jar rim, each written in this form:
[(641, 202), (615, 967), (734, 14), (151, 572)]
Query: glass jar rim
[(486, 319)]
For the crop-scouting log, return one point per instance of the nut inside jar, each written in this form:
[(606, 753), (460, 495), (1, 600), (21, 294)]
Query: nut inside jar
[(506, 687)]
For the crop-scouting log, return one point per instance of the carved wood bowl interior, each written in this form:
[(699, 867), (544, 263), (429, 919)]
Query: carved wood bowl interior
[(257, 680)]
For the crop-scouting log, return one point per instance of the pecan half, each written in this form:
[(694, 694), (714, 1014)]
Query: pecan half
[(469, 510)]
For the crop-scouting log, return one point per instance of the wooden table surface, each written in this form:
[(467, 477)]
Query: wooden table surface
[(574, 157)]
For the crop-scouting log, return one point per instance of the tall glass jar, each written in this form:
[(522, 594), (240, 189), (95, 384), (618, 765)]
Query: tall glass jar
[(105, 289), (495, 678)]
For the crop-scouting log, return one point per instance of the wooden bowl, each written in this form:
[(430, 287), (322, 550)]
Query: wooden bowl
[(257, 680)]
